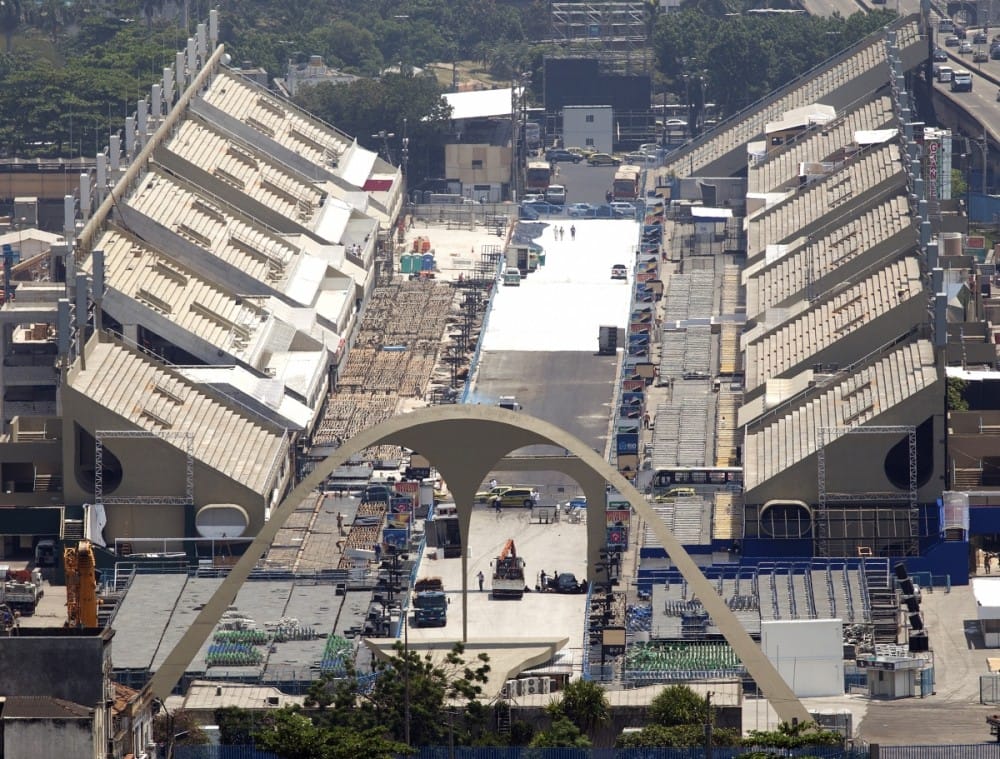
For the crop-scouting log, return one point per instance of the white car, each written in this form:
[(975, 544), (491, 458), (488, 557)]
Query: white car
[(621, 208), (533, 198), (618, 271), (675, 123)]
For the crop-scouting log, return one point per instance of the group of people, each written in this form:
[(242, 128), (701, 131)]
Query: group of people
[(354, 249), (559, 233)]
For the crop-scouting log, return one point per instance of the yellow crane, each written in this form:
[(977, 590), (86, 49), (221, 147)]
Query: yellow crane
[(81, 585)]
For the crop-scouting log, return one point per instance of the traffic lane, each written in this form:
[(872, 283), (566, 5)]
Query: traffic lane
[(584, 184), (845, 8), (570, 389), (981, 103)]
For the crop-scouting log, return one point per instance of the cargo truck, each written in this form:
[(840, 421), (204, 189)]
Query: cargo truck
[(508, 573), (430, 604)]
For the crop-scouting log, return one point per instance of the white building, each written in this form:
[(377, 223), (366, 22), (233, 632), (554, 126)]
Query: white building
[(589, 126)]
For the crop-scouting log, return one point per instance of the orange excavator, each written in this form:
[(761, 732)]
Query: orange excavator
[(81, 585), (508, 573)]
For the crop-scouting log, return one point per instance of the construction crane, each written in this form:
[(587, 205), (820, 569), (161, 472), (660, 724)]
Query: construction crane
[(508, 573), (81, 585)]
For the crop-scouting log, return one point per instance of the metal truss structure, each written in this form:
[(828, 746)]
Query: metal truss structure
[(187, 444), (858, 500)]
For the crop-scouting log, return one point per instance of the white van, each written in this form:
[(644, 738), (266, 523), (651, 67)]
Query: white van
[(556, 194), (944, 73)]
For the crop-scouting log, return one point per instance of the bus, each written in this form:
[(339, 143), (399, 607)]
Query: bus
[(665, 478), (626, 183), (537, 176)]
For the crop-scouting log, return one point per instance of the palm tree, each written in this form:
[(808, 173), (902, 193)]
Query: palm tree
[(584, 703)]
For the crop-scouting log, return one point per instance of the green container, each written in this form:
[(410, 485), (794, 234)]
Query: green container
[(406, 264), (541, 259)]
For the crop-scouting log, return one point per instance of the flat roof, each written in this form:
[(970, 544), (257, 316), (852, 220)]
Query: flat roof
[(479, 104)]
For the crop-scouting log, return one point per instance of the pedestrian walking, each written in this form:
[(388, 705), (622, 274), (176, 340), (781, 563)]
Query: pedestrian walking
[(542, 579), (340, 523), (645, 420), (378, 552), (987, 561), (572, 232), (497, 506), (480, 577)]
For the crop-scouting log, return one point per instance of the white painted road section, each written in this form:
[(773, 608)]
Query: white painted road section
[(560, 306)]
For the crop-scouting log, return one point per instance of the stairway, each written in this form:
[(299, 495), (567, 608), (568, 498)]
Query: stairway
[(503, 716), (72, 531), (882, 599)]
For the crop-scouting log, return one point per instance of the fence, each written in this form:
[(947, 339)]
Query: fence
[(974, 751), (989, 689)]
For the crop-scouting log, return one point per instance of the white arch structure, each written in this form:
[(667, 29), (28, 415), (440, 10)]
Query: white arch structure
[(465, 443)]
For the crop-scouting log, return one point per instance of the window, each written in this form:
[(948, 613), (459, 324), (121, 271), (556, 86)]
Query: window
[(589, 142), (477, 163), (590, 118)]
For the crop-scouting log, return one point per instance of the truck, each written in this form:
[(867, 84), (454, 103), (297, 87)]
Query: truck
[(430, 604), (537, 176), (22, 591), (508, 573), (626, 183)]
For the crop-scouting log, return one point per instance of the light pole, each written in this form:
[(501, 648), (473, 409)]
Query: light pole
[(385, 137)]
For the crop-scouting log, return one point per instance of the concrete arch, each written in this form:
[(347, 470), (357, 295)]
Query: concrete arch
[(465, 442)]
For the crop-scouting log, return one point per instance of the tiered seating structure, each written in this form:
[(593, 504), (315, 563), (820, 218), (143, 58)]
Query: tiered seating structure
[(796, 341), (154, 398), (773, 282), (689, 519), (823, 143), (860, 398), (214, 314), (783, 221), (318, 143), (733, 134), (254, 250), (663, 662), (681, 434), (247, 171)]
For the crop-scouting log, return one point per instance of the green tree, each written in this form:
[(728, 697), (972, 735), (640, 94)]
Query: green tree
[(677, 705), (561, 734), (11, 15), (177, 729), (793, 736), (293, 735), (237, 726), (582, 702), (956, 394), (414, 686), (677, 736)]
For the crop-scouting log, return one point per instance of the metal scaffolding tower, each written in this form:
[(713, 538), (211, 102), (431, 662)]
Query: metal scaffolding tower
[(186, 443), (825, 436), (615, 33)]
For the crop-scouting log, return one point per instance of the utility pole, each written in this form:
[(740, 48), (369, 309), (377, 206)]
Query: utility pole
[(708, 725)]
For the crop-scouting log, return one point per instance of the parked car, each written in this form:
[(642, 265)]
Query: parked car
[(603, 159), (565, 582), (527, 213), (618, 271), (533, 197), (649, 148), (995, 52), (579, 209), (622, 209), (557, 155), (636, 158), (940, 54), (543, 209), (675, 123), (582, 152)]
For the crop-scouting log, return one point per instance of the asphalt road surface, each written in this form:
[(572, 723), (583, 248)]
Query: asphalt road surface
[(584, 184)]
